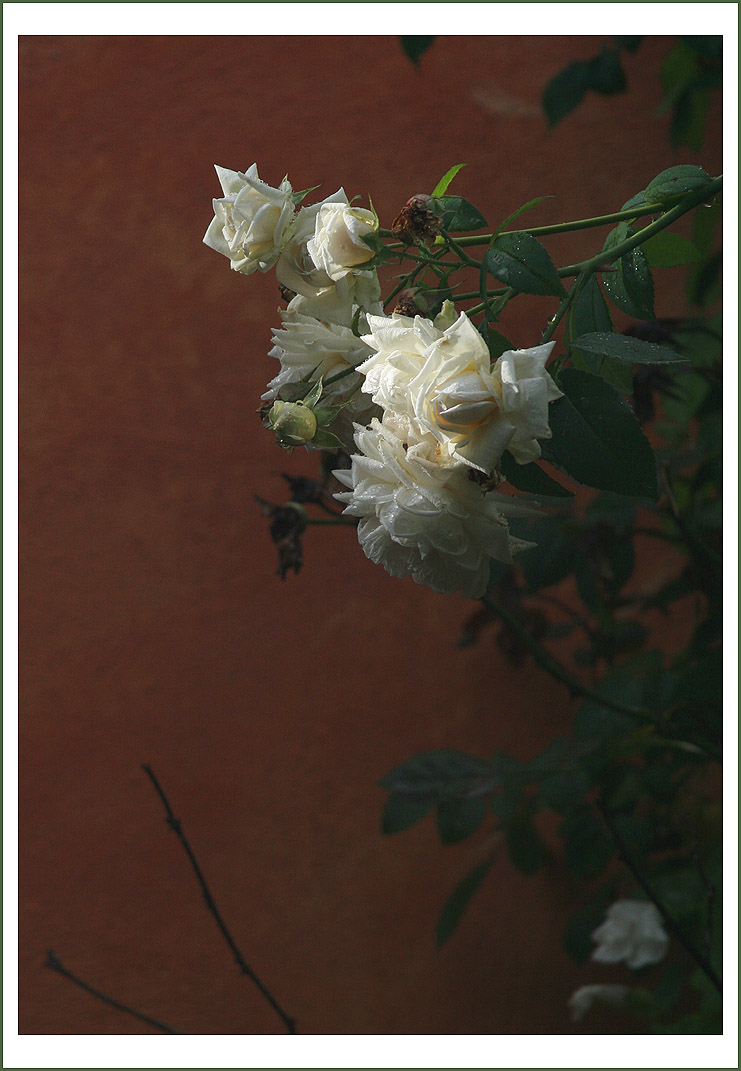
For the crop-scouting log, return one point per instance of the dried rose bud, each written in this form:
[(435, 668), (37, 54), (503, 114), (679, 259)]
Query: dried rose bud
[(407, 304), (417, 224), (285, 293)]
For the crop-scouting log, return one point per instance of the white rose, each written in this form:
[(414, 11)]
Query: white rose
[(443, 379), (295, 269), (337, 245), (338, 304), (526, 390), (422, 519), (582, 1000), (632, 933), (307, 347), (251, 221)]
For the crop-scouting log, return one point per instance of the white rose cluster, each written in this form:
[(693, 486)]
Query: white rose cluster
[(422, 484), (318, 254), (430, 415)]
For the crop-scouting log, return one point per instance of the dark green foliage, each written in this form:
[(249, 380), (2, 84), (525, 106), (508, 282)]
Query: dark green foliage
[(588, 846), (603, 74), (520, 261), (415, 47), (458, 901), (626, 348), (629, 283), (597, 439), (457, 213), (525, 845), (531, 478)]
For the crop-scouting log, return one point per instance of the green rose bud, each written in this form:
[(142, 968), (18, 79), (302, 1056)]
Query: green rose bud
[(293, 423)]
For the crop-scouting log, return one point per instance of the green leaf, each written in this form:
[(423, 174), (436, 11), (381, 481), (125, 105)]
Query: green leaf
[(565, 91), (446, 180), (597, 439), (588, 846), (402, 813), (577, 936), (497, 343), (606, 75), (457, 213), (603, 74), (544, 570), (459, 900), (459, 818), (627, 348), (590, 310), (415, 47), (526, 848), (630, 286), (520, 261), (531, 478), (667, 250), (564, 789), (637, 201), (298, 195), (435, 773), (326, 440), (518, 212), (590, 313), (629, 44), (675, 182), (315, 393)]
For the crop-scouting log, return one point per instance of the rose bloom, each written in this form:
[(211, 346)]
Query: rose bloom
[(338, 304), (337, 245), (295, 269), (421, 518), (308, 347), (632, 933), (251, 221), (442, 377)]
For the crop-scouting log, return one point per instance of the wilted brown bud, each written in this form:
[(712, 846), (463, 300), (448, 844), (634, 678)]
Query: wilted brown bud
[(417, 224), (407, 304), (286, 525)]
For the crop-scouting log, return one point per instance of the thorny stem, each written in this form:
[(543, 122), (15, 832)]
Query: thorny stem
[(552, 228), (54, 963), (563, 228), (176, 827), (672, 926), (692, 200), (556, 669), (462, 254)]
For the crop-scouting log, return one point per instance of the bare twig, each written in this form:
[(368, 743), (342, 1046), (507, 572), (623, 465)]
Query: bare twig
[(176, 827), (54, 963)]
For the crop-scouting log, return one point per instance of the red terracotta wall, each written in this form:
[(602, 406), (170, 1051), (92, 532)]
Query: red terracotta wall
[(153, 627)]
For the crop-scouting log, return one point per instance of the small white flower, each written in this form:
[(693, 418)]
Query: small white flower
[(423, 518), (632, 933), (308, 347), (337, 245), (251, 221), (582, 1000), (443, 379)]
